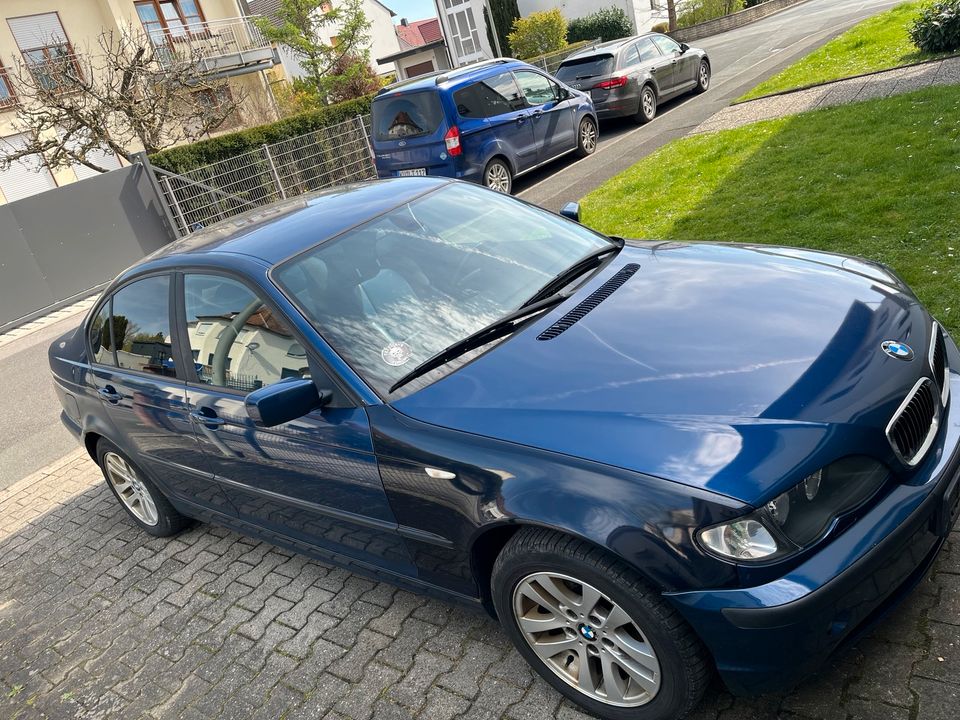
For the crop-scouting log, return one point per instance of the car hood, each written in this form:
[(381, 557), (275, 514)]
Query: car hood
[(730, 368)]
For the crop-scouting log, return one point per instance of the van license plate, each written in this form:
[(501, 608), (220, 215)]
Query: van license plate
[(414, 171)]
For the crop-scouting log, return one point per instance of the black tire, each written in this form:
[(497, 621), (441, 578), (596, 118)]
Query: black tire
[(684, 663), (168, 520), (703, 77), (647, 109), (498, 176), (587, 135)]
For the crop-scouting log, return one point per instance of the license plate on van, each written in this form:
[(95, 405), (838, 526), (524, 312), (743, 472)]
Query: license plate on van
[(413, 172)]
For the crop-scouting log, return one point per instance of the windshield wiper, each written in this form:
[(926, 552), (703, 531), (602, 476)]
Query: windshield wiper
[(504, 326), (580, 267)]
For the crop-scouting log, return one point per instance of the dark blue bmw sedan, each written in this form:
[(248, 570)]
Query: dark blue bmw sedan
[(649, 460)]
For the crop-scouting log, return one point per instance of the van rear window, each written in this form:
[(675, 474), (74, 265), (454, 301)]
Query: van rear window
[(396, 117), (585, 68)]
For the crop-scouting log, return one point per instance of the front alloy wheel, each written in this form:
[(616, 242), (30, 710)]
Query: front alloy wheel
[(595, 630), (587, 639), (703, 77)]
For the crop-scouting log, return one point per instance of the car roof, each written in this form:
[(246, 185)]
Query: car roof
[(452, 78), (275, 232), (611, 46)]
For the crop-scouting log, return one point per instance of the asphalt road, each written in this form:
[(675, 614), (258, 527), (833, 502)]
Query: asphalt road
[(740, 58), (29, 410)]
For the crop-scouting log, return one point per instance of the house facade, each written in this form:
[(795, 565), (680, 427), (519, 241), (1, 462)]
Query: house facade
[(644, 14), (422, 49), (465, 30), (218, 37)]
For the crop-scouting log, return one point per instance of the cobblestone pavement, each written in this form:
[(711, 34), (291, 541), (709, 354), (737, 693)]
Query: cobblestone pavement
[(97, 619), (841, 92)]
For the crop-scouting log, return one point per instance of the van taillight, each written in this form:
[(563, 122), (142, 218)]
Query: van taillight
[(612, 83), (452, 141)]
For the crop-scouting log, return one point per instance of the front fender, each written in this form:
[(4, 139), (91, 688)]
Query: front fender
[(449, 489)]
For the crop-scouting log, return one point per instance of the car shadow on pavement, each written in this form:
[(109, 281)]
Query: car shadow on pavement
[(98, 619)]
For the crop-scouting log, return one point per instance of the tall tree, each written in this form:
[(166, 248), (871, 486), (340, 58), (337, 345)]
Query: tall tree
[(672, 14), (124, 93), (301, 25), (501, 17)]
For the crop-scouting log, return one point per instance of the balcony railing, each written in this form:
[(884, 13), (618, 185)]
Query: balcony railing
[(217, 47)]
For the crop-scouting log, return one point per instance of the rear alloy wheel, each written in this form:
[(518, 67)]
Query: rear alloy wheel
[(586, 138), (138, 495), (591, 627), (497, 176), (648, 105), (703, 77)]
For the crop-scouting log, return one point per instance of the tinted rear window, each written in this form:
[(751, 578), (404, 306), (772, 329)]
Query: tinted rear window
[(494, 96), (585, 68), (404, 116)]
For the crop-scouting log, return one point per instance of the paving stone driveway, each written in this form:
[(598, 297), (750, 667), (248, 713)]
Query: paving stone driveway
[(99, 620)]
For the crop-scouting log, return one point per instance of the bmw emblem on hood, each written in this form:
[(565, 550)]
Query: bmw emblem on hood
[(898, 350)]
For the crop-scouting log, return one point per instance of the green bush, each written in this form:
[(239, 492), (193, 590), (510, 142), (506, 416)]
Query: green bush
[(538, 33), (607, 24), (187, 157), (937, 29), (698, 11)]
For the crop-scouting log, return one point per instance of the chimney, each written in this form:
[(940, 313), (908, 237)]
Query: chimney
[(403, 21)]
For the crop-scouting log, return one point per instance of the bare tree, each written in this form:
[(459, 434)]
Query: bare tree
[(129, 92)]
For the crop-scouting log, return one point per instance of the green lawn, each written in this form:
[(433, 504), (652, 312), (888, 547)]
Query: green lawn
[(879, 43), (880, 179)]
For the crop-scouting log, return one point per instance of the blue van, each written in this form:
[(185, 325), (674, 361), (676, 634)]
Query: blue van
[(488, 122)]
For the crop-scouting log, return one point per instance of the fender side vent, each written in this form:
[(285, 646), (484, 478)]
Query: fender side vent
[(597, 297)]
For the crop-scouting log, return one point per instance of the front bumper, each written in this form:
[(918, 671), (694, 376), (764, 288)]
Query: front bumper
[(768, 637)]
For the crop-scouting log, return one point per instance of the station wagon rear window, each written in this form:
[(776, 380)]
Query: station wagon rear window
[(396, 117), (584, 68)]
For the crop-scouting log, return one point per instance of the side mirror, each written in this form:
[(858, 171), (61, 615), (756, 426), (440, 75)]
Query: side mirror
[(285, 401), (564, 94), (571, 211), (683, 48)]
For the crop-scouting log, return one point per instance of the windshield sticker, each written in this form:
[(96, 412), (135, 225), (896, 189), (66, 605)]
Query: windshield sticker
[(396, 354)]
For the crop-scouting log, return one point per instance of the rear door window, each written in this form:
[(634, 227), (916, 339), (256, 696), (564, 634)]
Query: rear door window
[(496, 95), (141, 326), (536, 88), (573, 71), (630, 57), (647, 50), (396, 117)]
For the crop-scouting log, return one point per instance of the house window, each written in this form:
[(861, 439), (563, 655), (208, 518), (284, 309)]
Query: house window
[(7, 96), (170, 18), (45, 47)]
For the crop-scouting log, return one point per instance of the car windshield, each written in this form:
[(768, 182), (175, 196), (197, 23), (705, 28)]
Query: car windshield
[(405, 116), (392, 293), (583, 68)]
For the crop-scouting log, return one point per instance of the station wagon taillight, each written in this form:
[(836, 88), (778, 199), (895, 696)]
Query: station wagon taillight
[(612, 83), (452, 141)]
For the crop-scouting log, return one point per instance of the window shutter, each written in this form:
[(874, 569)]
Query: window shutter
[(37, 31), (103, 158), (26, 176)]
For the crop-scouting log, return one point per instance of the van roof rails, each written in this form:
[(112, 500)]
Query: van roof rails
[(463, 69)]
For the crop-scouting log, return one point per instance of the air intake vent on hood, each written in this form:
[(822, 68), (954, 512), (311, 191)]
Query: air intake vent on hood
[(597, 297)]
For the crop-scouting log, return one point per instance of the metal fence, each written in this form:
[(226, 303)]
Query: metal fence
[(333, 155)]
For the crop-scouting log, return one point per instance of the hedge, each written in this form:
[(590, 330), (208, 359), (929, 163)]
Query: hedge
[(187, 157)]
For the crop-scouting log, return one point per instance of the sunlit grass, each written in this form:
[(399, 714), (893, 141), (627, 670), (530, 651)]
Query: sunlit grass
[(879, 43), (879, 179)]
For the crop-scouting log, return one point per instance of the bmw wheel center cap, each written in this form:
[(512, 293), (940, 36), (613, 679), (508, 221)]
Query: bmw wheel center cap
[(588, 632), (898, 350)]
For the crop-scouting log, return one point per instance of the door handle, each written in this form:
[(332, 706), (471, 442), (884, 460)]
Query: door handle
[(537, 114), (110, 394), (521, 119), (210, 421)]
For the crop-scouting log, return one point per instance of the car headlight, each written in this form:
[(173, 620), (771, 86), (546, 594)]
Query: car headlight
[(799, 517)]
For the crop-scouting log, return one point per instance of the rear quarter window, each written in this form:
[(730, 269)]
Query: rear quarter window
[(585, 68), (396, 117)]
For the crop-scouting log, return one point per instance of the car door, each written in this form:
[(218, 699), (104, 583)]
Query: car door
[(551, 115), (314, 479), (504, 118), (143, 393), (669, 71)]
